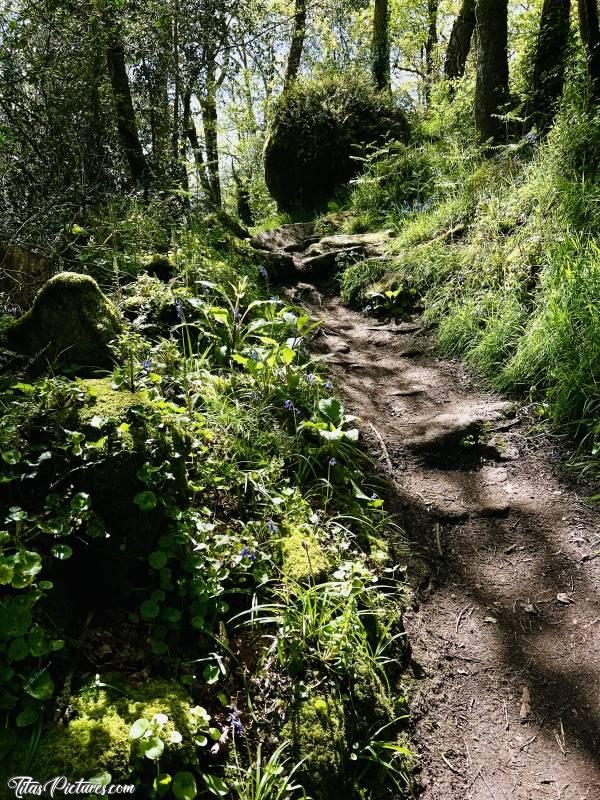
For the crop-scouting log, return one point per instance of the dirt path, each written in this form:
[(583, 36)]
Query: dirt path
[(505, 627)]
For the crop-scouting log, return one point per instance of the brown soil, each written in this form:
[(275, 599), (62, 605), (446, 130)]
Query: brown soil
[(505, 624), (505, 627)]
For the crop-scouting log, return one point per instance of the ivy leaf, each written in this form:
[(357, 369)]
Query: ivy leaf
[(145, 501), (18, 650), (184, 786)]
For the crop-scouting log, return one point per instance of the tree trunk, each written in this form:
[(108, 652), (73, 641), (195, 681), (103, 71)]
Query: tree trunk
[(590, 36), (297, 45), (430, 43), (549, 62), (491, 85), (192, 136), (126, 123), (459, 44), (381, 46), (208, 104)]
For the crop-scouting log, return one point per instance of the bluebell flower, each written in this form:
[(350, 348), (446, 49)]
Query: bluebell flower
[(329, 386), (332, 462), (271, 526), (247, 553), (234, 718), (531, 137), (373, 496), (288, 405), (274, 299), (310, 378), (254, 355), (236, 312), (146, 365), (263, 272)]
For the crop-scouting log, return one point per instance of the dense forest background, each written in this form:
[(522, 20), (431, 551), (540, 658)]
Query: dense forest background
[(201, 584)]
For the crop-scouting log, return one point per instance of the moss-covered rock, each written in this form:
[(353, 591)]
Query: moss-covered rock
[(71, 322), (97, 736), (302, 556), (318, 130), (317, 731), (159, 266)]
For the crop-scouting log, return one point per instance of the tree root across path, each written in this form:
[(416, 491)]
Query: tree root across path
[(506, 626)]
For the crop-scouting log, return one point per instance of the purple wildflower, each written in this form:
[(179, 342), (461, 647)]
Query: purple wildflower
[(310, 378), (263, 272), (271, 526), (146, 365), (288, 405), (332, 462), (234, 718), (531, 137), (247, 553), (373, 496), (329, 386)]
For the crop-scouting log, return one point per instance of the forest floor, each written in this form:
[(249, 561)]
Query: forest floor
[(505, 622)]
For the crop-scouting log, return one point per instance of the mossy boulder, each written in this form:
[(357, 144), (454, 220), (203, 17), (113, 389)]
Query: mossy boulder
[(317, 731), (318, 132), (159, 266), (97, 739), (70, 322)]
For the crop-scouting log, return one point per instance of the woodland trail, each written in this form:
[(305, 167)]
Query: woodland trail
[(505, 624)]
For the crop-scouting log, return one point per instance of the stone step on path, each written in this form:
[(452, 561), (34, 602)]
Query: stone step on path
[(296, 250)]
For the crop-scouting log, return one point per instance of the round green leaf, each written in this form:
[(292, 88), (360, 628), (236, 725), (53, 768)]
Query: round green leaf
[(149, 609), (18, 650), (42, 687), (145, 501), (61, 551), (27, 717), (159, 648), (184, 786), (198, 622), (215, 785), (139, 728), (153, 748), (158, 559), (211, 673)]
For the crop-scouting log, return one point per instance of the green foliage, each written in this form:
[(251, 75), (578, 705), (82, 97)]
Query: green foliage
[(319, 130)]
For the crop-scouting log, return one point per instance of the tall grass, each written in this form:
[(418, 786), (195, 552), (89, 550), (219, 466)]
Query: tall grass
[(505, 257)]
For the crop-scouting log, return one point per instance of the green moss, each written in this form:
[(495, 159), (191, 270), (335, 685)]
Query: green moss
[(302, 556), (370, 700), (317, 731), (70, 322), (97, 737)]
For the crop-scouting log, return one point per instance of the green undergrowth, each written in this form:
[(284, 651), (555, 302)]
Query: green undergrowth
[(502, 252), (194, 556)]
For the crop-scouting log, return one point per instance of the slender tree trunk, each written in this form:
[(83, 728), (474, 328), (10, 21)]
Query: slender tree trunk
[(208, 104), (125, 114), (590, 36), (548, 73), (297, 45), (175, 130), (381, 46), (192, 136), (430, 43), (491, 85), (459, 44)]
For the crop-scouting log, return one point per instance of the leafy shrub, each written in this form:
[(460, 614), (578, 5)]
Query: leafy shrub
[(318, 132)]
